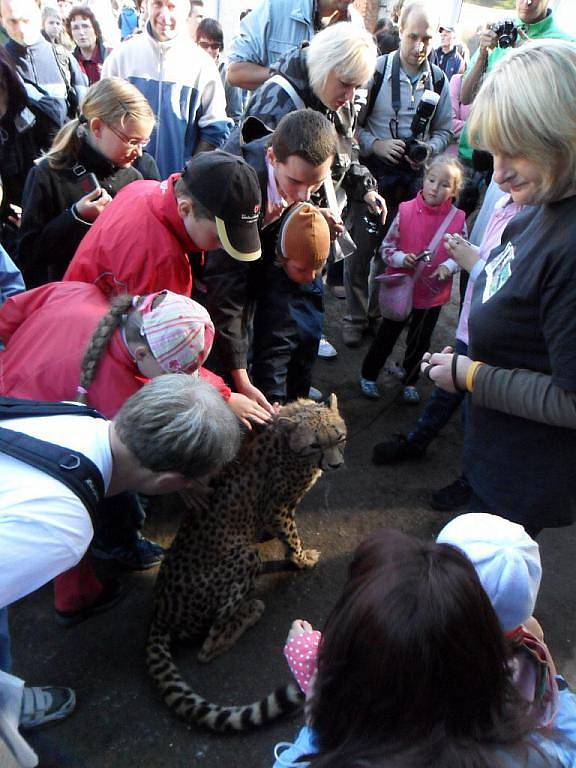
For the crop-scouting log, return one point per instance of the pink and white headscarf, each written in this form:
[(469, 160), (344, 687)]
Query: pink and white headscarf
[(179, 331)]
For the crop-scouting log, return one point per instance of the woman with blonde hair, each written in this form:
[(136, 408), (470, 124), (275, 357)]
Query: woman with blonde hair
[(90, 160), (520, 436), (324, 76)]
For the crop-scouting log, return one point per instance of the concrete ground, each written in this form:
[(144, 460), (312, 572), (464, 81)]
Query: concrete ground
[(120, 721)]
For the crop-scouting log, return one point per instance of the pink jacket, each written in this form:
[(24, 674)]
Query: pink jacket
[(411, 232), (460, 112)]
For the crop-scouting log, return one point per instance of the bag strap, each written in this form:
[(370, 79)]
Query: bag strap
[(286, 85), (441, 231), (63, 64), (373, 90), (72, 468), (18, 408)]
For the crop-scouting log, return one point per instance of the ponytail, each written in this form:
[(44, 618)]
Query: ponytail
[(65, 146)]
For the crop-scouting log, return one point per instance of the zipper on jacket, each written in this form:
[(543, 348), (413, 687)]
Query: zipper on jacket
[(162, 56)]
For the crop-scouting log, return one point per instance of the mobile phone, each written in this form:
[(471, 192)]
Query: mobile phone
[(424, 255), (88, 183)]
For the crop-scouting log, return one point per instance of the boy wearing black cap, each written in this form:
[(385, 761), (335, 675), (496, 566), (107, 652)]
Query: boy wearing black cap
[(141, 244), (292, 164)]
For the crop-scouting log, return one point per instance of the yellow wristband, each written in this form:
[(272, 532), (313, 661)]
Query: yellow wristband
[(471, 374)]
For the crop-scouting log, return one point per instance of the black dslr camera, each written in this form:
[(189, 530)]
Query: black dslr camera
[(506, 32), (415, 148)]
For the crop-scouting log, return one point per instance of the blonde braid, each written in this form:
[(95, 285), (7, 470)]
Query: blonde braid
[(99, 342)]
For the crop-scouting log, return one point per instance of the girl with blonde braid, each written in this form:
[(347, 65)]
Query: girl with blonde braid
[(64, 341)]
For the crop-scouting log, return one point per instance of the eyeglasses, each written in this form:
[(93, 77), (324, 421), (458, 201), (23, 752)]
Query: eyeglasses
[(206, 45), (132, 143)]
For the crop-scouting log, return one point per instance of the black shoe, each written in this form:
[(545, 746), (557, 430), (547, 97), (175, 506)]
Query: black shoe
[(396, 449), (139, 555), (112, 592), (453, 496)]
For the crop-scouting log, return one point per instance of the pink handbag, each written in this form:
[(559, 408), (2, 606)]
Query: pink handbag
[(395, 294), (397, 288)]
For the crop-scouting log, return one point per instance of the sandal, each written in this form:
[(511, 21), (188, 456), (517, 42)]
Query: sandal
[(410, 396), (369, 388), (43, 704), (395, 369)]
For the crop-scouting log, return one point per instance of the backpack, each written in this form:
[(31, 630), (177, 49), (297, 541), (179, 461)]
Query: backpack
[(438, 81), (72, 468)]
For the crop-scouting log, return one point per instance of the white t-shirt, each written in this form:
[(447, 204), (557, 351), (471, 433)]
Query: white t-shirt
[(44, 527)]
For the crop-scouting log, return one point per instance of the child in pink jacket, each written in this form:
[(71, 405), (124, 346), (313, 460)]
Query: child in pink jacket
[(420, 223)]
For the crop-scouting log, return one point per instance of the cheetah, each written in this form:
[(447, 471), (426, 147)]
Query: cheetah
[(204, 584)]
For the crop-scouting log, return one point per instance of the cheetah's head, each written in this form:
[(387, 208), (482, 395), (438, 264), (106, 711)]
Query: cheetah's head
[(315, 431)]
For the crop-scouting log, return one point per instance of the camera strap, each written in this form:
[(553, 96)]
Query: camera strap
[(396, 102), (378, 79)]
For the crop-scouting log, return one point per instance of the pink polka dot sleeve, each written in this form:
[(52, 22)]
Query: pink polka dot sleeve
[(301, 652)]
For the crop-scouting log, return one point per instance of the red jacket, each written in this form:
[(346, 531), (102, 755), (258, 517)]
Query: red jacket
[(138, 244), (46, 331)]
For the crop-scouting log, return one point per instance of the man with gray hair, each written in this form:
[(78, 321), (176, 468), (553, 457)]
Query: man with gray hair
[(403, 81), (173, 430)]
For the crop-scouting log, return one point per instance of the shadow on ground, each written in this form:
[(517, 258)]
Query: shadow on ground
[(121, 722)]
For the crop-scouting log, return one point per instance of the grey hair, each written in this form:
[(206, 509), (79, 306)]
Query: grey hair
[(177, 423), (343, 48)]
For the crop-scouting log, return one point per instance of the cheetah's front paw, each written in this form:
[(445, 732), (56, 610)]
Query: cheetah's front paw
[(307, 558)]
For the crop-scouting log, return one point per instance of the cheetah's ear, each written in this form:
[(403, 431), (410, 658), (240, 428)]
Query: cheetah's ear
[(288, 423), (333, 403)]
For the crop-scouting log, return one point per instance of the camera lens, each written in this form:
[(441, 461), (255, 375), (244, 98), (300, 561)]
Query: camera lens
[(417, 151)]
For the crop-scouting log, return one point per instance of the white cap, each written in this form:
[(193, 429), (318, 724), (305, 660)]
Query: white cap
[(506, 559)]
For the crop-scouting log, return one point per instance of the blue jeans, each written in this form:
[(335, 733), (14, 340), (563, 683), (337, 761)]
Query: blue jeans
[(438, 411), (5, 655)]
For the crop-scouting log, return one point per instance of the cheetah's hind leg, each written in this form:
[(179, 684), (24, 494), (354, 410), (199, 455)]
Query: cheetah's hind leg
[(224, 634), (234, 580)]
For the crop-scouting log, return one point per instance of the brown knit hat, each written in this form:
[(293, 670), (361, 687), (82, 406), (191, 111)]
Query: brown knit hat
[(305, 236)]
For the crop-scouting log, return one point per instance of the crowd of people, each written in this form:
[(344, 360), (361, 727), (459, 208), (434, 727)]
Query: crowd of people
[(171, 214)]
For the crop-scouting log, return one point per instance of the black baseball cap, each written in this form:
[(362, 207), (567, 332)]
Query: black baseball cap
[(229, 188)]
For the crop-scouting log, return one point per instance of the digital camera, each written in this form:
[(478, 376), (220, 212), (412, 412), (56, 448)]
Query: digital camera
[(506, 32), (415, 148)]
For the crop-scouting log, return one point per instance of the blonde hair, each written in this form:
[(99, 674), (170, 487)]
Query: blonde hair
[(453, 164), (526, 107), (99, 342), (113, 100), (343, 48)]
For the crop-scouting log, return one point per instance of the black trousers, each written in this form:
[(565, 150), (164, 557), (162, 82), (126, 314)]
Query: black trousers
[(421, 324)]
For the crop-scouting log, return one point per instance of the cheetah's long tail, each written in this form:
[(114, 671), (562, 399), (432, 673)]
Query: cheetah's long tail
[(192, 708)]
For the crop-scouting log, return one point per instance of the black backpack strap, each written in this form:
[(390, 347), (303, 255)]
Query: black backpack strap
[(18, 408), (373, 90), (438, 78), (71, 468)]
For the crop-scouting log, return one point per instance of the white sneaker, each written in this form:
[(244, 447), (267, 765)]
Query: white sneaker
[(326, 350)]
